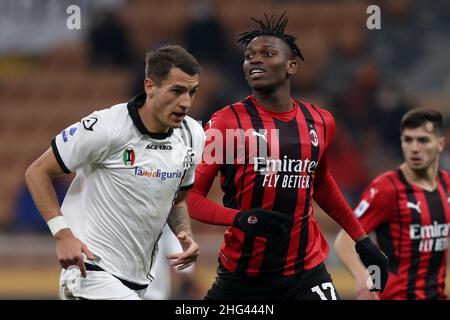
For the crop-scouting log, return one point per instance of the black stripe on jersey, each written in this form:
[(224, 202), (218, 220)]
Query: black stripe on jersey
[(245, 162), (190, 142), (385, 237), (323, 121), (415, 254), (315, 151), (185, 188), (437, 213), (183, 135), (258, 189), (229, 199), (257, 123), (58, 157)]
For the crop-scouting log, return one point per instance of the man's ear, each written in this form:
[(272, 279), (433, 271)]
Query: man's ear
[(441, 144), (292, 67), (149, 87)]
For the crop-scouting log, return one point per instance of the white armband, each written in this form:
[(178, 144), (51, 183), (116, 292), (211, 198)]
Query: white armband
[(56, 224)]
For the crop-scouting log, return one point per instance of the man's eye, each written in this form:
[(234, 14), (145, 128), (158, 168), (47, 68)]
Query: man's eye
[(248, 56), (268, 54)]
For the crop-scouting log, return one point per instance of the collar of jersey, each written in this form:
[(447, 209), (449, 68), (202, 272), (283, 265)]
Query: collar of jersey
[(133, 106)]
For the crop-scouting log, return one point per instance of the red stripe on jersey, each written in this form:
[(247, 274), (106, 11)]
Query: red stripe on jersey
[(229, 255), (254, 265)]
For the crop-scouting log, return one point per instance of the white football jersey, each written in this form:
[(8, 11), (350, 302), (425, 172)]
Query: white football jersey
[(125, 184)]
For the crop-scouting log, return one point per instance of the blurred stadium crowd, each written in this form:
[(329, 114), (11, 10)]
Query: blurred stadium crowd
[(50, 77)]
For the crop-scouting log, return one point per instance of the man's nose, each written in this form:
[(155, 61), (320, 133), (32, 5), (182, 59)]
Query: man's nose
[(415, 146), (256, 59), (186, 102)]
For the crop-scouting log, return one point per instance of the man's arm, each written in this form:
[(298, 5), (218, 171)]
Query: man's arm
[(330, 199), (180, 225), (345, 249), (39, 178)]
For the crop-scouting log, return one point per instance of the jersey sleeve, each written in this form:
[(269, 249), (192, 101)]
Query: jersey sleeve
[(86, 141), (198, 143), (377, 205)]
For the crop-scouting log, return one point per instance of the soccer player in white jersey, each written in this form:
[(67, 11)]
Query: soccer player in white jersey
[(134, 163)]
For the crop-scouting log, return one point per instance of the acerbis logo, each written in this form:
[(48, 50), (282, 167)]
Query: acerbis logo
[(128, 156), (89, 123), (158, 147)]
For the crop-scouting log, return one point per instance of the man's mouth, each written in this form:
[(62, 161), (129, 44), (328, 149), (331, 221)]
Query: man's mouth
[(179, 115), (256, 72)]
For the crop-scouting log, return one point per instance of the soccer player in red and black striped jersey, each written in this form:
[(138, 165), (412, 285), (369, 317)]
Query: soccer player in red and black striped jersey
[(271, 152), (409, 210)]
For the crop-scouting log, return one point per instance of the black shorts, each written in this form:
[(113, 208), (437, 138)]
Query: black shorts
[(314, 284)]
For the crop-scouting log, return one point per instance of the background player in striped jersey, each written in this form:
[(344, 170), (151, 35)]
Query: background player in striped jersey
[(409, 210), (273, 248), (134, 163)]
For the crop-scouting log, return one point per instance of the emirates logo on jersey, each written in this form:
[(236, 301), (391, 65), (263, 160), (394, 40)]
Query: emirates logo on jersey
[(128, 156)]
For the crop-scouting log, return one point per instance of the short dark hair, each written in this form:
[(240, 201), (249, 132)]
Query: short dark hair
[(419, 116), (270, 28), (158, 63)]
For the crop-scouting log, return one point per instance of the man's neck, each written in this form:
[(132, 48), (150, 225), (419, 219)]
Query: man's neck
[(149, 119), (278, 100), (425, 178)]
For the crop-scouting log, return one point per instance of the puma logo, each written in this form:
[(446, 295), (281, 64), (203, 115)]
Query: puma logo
[(264, 136), (414, 206)]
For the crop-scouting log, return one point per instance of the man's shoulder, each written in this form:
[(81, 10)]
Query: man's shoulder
[(108, 115), (386, 181), (227, 116), (323, 111), (445, 175)]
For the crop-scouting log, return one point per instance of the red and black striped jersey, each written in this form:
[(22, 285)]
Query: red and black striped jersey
[(272, 160), (412, 228)]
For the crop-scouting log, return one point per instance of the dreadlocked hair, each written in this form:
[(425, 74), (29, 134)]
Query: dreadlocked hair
[(270, 28)]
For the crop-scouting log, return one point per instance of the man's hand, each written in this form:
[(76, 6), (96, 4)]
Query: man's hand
[(259, 222), (69, 251), (363, 283), (190, 252), (371, 256)]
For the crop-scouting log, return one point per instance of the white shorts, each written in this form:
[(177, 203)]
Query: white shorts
[(98, 285)]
